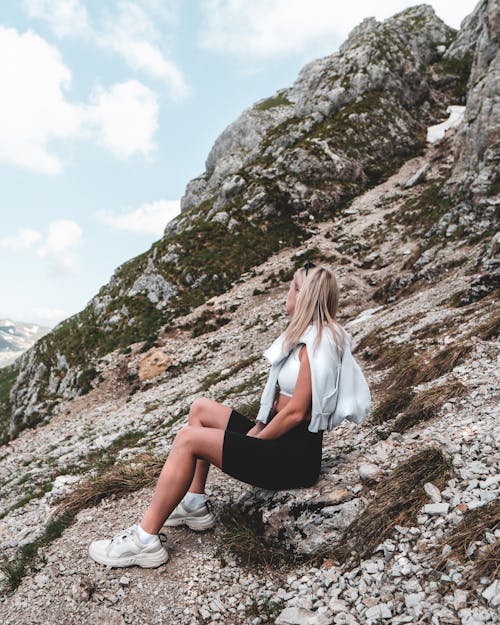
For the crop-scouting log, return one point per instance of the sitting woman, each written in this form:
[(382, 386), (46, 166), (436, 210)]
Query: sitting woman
[(281, 450)]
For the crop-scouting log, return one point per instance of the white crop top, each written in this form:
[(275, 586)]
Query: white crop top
[(287, 378)]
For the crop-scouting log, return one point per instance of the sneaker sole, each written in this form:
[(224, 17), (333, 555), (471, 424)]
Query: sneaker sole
[(146, 562), (197, 525)]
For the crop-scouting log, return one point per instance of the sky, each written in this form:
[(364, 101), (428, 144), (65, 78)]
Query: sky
[(109, 108)]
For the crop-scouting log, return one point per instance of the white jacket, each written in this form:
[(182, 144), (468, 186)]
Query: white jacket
[(335, 397)]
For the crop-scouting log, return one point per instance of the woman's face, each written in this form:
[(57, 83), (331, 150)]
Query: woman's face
[(291, 298)]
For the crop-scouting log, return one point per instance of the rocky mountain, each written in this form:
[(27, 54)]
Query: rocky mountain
[(348, 122), (16, 337), (403, 524)]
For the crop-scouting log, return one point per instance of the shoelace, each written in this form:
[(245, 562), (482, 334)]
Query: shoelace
[(123, 534)]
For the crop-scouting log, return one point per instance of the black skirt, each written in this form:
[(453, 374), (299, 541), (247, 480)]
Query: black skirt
[(292, 460)]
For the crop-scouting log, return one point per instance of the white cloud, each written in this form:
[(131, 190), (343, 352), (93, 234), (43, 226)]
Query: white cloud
[(127, 28), (150, 218), (34, 111), (25, 240), (268, 28), (66, 17), (33, 108), (62, 245), (126, 115), (50, 315)]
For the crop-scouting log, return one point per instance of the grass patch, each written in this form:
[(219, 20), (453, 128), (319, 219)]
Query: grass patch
[(487, 330), (215, 378), (28, 558), (462, 539), (397, 501), (426, 404), (268, 103), (243, 537), (393, 403), (207, 321), (102, 458), (418, 370), (119, 479), (8, 376)]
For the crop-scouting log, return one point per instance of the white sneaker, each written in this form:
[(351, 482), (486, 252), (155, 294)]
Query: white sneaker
[(126, 549), (199, 519)]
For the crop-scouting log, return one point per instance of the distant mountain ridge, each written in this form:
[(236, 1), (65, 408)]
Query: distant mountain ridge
[(16, 337)]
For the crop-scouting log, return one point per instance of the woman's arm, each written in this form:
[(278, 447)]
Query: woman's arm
[(260, 425), (295, 409)]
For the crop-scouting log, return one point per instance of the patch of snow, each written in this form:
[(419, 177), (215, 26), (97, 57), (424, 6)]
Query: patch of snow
[(456, 115)]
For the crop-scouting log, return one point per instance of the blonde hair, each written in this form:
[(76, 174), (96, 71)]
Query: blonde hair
[(317, 303)]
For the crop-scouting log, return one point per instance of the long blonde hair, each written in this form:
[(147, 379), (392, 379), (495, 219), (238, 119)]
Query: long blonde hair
[(317, 303)]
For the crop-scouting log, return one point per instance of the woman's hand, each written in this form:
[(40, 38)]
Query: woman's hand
[(258, 427)]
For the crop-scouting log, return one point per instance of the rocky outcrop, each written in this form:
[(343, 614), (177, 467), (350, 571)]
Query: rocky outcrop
[(474, 180), (379, 69), (476, 146)]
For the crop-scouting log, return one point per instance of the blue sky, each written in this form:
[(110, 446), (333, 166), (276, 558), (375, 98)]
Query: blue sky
[(109, 108)]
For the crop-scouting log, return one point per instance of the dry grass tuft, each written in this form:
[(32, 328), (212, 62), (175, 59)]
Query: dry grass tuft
[(487, 330), (487, 564), (463, 537), (395, 401), (119, 479), (396, 501), (426, 404), (243, 537), (417, 370)]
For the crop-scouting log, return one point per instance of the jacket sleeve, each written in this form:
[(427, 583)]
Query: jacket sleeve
[(325, 370)]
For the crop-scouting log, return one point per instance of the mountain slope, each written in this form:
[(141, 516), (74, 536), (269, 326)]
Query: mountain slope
[(402, 525), (348, 121)]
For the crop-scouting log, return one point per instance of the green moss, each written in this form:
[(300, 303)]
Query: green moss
[(418, 214), (494, 186), (8, 376), (458, 68), (214, 378), (268, 103), (34, 493), (28, 558)]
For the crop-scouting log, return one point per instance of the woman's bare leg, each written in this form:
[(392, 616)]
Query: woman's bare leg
[(190, 444), (206, 412)]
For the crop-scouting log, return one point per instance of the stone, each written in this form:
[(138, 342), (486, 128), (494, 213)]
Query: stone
[(106, 616), (379, 611), (82, 588), (436, 508), (295, 616), (368, 471), (433, 492), (492, 593), (460, 599), (155, 361)]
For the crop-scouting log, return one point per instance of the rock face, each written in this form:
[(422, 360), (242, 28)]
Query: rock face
[(476, 146), (349, 120), (379, 70)]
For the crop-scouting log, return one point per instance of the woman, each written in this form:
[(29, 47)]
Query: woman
[(282, 450)]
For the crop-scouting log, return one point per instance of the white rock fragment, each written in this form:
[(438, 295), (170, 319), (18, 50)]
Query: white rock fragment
[(381, 610), (492, 593), (436, 508), (294, 616), (460, 599), (368, 471), (433, 492)]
